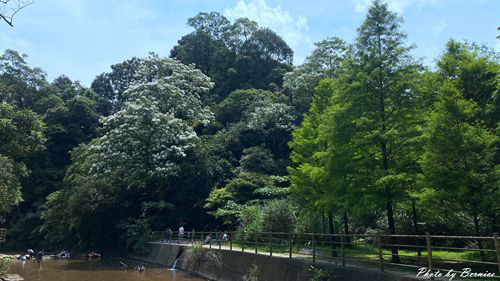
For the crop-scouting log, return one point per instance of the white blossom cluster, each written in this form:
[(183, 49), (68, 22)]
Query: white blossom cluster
[(154, 130), (271, 115)]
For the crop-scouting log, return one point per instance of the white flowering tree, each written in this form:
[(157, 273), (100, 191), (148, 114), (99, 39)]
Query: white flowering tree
[(128, 175), (146, 140)]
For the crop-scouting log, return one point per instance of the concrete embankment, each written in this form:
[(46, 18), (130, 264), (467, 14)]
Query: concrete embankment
[(234, 265)]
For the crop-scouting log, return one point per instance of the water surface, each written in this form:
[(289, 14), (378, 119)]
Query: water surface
[(102, 270)]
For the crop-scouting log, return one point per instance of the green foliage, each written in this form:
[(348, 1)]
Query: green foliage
[(271, 216), (319, 274), (5, 264), (21, 134), (324, 62), (137, 235), (196, 255), (237, 55), (278, 216), (257, 159), (143, 147), (252, 274), (246, 188), (213, 129)]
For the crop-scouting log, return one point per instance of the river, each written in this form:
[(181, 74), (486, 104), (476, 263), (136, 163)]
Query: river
[(101, 270)]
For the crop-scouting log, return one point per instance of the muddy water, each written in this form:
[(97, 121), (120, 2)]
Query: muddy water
[(103, 270)]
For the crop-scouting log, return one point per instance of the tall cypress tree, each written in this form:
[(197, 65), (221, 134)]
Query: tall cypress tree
[(373, 112)]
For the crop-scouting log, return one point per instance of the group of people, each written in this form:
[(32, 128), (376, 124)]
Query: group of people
[(63, 255), (169, 235), (31, 255), (209, 239), (93, 255)]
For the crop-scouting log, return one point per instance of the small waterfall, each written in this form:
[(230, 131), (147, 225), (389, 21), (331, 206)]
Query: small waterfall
[(173, 266)]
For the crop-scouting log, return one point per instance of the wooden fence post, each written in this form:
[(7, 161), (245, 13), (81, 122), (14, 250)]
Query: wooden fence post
[(243, 244), (211, 237), (342, 249), (497, 248), (192, 237), (429, 251), (256, 245), (270, 244), (231, 241), (380, 256), (289, 245), (220, 241), (314, 248)]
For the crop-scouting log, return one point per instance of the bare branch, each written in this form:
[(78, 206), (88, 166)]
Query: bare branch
[(9, 8)]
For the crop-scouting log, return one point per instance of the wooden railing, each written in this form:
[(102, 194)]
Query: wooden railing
[(414, 252), (2, 235)]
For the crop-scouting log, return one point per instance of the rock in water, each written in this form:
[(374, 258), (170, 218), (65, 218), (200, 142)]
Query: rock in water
[(11, 277)]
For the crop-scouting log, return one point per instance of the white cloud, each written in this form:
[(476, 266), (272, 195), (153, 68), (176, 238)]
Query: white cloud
[(398, 6), (292, 28)]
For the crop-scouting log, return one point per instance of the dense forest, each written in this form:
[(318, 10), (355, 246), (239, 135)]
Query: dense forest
[(226, 133)]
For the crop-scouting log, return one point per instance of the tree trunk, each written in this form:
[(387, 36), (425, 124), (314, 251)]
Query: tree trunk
[(415, 225), (323, 222), (392, 230), (494, 226), (332, 231), (346, 227), (477, 233)]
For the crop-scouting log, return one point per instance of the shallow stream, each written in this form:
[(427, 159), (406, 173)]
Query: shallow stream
[(93, 270)]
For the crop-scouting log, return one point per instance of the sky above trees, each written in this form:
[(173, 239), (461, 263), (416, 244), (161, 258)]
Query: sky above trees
[(82, 38)]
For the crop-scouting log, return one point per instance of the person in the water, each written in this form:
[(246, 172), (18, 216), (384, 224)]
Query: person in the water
[(39, 258), (31, 253)]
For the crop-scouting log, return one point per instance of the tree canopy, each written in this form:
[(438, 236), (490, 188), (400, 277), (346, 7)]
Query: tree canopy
[(225, 133)]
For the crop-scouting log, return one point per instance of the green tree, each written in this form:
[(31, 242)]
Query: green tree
[(21, 133), (373, 113), (237, 55), (461, 153), (140, 162), (323, 62), (109, 87), (20, 85)]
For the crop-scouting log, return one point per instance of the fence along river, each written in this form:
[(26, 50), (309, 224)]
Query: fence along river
[(434, 252)]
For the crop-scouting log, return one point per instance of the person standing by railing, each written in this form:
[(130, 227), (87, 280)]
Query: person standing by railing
[(168, 235), (181, 233)]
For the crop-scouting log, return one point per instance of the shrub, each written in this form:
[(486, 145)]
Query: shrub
[(5, 263), (278, 216), (196, 255), (319, 274), (252, 274)]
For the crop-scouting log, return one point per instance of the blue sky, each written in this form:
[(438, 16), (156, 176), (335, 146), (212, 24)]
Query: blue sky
[(82, 38)]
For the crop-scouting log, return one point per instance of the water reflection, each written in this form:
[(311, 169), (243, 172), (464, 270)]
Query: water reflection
[(101, 270)]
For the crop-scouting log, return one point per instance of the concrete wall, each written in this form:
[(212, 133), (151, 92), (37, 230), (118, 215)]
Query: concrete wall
[(234, 265), (161, 254)]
